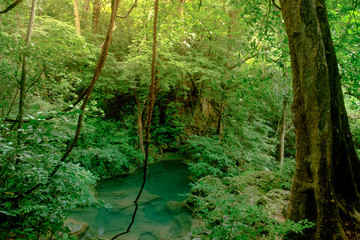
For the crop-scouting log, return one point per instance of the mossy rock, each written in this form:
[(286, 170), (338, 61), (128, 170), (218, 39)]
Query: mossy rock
[(251, 188), (274, 201), (174, 206), (260, 179), (207, 186), (76, 228), (204, 195)]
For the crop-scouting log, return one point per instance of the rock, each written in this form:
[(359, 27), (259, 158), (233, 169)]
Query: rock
[(274, 201), (175, 206), (76, 228), (250, 184), (203, 196), (148, 236), (209, 185), (124, 199), (260, 179)]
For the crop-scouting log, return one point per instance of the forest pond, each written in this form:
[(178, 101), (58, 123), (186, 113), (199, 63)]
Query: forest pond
[(160, 215)]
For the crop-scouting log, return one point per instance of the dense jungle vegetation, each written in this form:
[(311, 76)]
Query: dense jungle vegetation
[(223, 88)]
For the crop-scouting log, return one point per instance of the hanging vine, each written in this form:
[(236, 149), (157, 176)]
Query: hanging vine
[(87, 94), (149, 111)]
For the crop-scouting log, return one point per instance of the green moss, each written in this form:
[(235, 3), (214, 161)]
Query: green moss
[(251, 183), (274, 202)]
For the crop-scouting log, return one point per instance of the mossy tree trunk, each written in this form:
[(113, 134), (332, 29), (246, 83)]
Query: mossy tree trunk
[(324, 187), (96, 15)]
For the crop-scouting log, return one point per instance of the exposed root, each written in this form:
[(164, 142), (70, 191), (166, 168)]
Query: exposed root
[(350, 220)]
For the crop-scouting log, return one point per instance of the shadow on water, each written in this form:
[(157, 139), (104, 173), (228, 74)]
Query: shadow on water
[(160, 215)]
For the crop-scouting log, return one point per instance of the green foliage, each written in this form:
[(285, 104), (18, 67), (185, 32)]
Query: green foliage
[(230, 53), (352, 107), (345, 33), (166, 124), (209, 156), (241, 221), (285, 174), (28, 163), (231, 208), (107, 148)]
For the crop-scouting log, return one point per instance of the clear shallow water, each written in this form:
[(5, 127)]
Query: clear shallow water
[(160, 214)]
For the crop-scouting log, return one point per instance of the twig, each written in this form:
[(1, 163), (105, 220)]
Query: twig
[(13, 101), (61, 112), (35, 81), (11, 6), (277, 6), (132, 7)]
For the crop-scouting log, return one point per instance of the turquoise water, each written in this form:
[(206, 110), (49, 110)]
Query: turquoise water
[(160, 215)]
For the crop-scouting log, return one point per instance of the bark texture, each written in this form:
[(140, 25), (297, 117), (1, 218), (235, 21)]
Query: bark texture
[(77, 17), (11, 6), (96, 15), (24, 63), (324, 188), (139, 123), (282, 133)]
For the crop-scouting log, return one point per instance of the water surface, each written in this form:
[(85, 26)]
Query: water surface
[(160, 214)]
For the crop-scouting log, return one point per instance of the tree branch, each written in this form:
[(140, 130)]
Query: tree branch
[(132, 7), (61, 112), (243, 61), (97, 72), (33, 83), (11, 6), (277, 6)]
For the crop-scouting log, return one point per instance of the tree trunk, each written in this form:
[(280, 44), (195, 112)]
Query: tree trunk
[(96, 16), (219, 128), (282, 133), (77, 17), (24, 63), (324, 186), (181, 7), (139, 123)]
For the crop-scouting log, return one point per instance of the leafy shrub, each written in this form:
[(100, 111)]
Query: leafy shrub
[(285, 174), (166, 125), (241, 221), (209, 157), (249, 136), (236, 208), (34, 214), (105, 149)]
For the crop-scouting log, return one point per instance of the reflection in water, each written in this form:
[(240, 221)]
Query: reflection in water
[(160, 214)]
